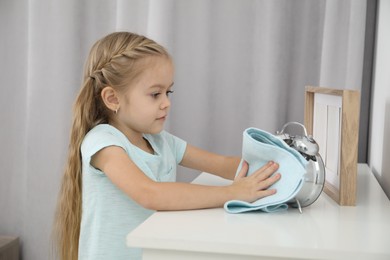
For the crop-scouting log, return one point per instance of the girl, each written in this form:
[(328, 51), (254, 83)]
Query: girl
[(122, 164)]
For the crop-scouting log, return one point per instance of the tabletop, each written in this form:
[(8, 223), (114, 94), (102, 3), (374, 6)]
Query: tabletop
[(324, 230)]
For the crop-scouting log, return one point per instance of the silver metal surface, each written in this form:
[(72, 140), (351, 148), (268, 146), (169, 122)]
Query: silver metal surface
[(306, 145), (314, 178), (313, 183)]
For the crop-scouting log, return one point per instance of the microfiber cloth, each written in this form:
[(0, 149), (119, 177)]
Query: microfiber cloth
[(258, 148)]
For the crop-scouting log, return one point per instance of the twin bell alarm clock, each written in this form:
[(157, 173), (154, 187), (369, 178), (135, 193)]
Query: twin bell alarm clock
[(314, 178)]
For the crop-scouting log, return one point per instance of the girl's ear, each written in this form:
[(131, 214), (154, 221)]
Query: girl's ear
[(110, 98)]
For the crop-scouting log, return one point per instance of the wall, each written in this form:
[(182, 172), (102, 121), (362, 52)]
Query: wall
[(379, 144)]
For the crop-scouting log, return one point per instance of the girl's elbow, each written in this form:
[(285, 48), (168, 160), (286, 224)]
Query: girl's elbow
[(149, 199), (148, 203)]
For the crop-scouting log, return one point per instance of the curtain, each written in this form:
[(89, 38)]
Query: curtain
[(238, 64)]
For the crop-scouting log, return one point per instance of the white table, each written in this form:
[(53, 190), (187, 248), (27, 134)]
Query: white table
[(324, 230)]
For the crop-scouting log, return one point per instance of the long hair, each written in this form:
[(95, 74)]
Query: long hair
[(113, 61)]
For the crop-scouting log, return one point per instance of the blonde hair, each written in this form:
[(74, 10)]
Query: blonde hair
[(113, 61)]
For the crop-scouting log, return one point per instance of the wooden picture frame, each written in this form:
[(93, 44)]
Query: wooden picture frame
[(332, 117)]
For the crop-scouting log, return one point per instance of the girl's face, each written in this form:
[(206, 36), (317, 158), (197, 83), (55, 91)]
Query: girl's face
[(145, 105)]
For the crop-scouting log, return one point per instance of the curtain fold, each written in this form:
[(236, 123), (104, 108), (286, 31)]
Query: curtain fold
[(343, 44), (238, 64)]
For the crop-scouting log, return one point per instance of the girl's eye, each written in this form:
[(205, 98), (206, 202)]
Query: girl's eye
[(169, 93), (155, 95)]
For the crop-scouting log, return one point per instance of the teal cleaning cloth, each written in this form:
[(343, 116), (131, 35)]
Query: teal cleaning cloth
[(258, 148)]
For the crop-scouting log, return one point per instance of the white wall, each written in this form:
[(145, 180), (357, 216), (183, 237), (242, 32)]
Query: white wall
[(379, 144)]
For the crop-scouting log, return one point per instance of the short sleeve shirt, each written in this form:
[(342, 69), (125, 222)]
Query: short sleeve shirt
[(108, 214)]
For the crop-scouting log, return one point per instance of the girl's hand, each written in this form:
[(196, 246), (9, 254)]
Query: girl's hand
[(256, 185)]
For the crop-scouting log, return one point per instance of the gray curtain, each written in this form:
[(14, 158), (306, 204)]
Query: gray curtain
[(238, 64)]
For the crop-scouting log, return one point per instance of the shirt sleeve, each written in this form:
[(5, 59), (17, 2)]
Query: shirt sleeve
[(176, 144), (94, 141)]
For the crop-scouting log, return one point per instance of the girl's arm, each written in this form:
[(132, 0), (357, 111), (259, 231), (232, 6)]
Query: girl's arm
[(205, 161), (122, 171)]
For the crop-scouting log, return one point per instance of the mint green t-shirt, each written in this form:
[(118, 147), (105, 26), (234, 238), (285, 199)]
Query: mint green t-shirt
[(108, 214)]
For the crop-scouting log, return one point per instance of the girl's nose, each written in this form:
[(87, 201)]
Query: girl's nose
[(166, 103)]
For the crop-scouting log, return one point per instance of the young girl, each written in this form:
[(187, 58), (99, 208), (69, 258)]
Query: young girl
[(122, 164)]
